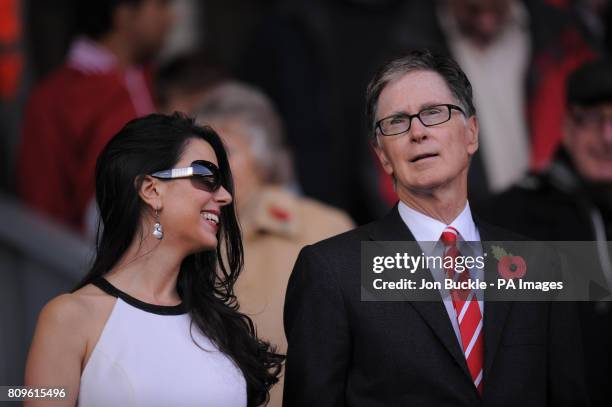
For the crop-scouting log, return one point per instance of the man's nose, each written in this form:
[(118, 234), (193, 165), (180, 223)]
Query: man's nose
[(418, 131)]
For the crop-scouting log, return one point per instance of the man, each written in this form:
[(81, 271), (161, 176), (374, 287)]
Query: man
[(572, 201), (73, 113), (345, 352)]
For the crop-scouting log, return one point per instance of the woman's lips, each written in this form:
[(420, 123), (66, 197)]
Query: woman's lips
[(211, 219)]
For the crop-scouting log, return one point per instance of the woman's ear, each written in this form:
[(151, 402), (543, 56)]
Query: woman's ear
[(150, 191)]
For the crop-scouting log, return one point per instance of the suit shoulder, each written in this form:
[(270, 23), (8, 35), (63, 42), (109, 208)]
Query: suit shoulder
[(517, 242), (490, 231), (350, 239)]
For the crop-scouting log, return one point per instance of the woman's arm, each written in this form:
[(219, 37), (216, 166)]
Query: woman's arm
[(57, 350)]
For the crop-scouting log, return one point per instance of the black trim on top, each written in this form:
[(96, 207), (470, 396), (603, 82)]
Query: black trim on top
[(110, 289)]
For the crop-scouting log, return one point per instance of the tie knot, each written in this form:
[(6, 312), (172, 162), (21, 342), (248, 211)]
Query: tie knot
[(449, 236)]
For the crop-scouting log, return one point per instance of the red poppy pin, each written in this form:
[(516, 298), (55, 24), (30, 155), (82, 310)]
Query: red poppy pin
[(509, 266), (279, 213)]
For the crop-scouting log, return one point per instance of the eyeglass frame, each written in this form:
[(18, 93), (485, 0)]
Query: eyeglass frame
[(580, 115), (188, 172), (449, 106)]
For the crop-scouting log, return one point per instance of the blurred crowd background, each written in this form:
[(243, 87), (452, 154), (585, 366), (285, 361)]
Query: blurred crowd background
[(284, 83)]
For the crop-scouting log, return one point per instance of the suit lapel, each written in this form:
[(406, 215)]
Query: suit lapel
[(393, 228), (495, 312)]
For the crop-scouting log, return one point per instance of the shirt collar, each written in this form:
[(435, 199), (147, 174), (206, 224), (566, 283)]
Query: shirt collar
[(427, 229), (89, 57)]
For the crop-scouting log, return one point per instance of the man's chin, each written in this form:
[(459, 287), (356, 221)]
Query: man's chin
[(425, 186)]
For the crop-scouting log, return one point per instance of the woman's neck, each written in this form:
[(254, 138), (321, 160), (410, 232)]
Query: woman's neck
[(148, 271)]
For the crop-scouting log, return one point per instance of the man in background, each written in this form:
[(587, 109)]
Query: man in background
[(572, 201), (73, 113)]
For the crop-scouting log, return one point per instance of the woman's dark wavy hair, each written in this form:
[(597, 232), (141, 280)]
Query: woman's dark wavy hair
[(206, 279)]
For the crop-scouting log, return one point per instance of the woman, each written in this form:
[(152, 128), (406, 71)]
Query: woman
[(155, 322)]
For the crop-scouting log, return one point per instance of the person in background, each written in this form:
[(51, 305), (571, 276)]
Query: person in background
[(73, 113), (572, 201), (155, 321), (276, 222)]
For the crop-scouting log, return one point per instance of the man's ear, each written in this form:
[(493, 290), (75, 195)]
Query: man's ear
[(382, 156), (472, 135), (150, 191)]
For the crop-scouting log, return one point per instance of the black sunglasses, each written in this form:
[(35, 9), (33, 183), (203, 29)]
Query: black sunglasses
[(204, 173)]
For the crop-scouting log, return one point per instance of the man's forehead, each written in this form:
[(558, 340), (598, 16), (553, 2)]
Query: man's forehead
[(418, 78), (416, 89)]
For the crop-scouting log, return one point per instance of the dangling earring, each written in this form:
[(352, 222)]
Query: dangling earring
[(158, 230)]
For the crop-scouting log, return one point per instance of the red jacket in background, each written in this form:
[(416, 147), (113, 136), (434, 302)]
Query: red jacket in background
[(69, 118)]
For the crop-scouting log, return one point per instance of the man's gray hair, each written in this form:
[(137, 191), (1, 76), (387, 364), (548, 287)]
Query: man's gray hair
[(251, 108), (450, 71)]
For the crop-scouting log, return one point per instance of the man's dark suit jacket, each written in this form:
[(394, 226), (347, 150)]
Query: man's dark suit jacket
[(345, 352)]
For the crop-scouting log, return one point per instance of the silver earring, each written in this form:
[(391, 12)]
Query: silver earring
[(158, 230)]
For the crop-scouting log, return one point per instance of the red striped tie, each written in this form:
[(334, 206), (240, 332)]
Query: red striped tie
[(468, 312)]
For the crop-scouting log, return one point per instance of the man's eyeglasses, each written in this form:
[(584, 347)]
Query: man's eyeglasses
[(205, 174), (430, 116), (591, 118)]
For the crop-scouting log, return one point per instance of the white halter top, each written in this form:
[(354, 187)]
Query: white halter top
[(146, 356)]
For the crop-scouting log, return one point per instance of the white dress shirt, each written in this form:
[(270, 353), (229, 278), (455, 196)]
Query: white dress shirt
[(427, 231)]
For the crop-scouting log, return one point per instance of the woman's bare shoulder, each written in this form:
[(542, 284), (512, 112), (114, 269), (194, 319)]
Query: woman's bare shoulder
[(63, 337), (76, 309)]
